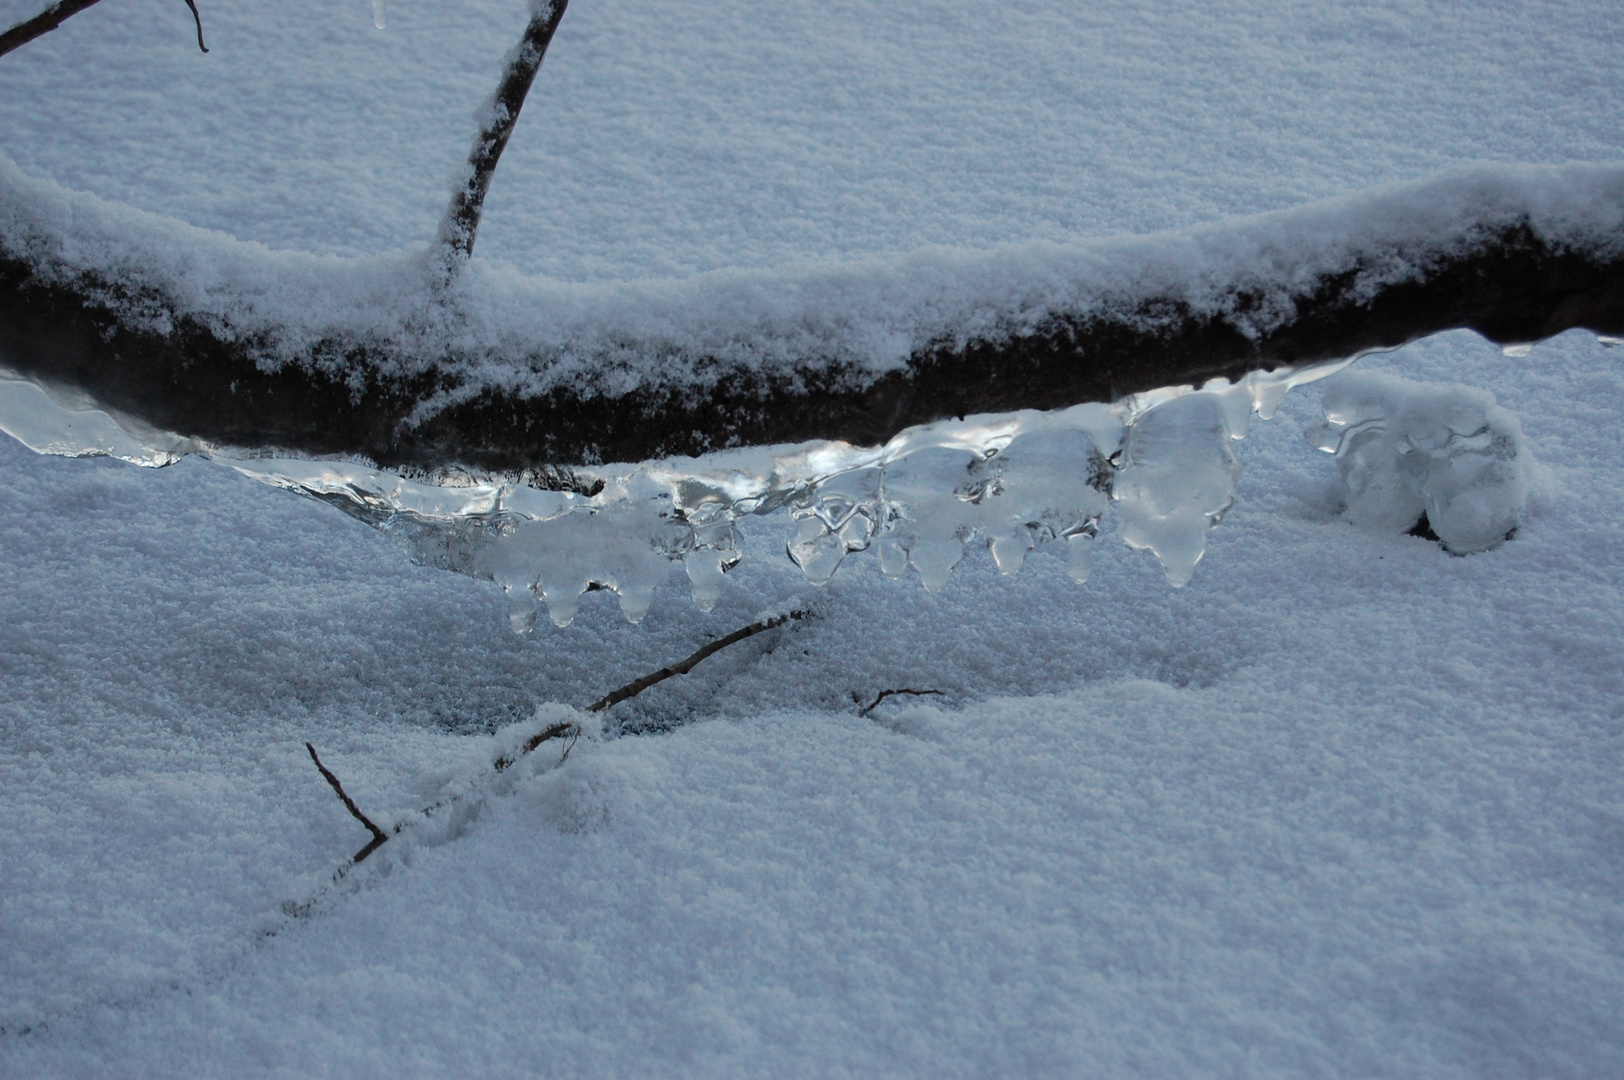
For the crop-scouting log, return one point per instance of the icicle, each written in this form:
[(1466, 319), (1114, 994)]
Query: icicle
[(378, 13), (1018, 483)]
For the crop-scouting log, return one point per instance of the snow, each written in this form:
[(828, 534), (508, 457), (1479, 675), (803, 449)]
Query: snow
[(497, 327), (1345, 804)]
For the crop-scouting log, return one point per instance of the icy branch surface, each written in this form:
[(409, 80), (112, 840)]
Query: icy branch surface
[(1014, 482), (1405, 448)]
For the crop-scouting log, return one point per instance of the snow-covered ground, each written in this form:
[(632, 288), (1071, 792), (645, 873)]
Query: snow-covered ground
[(1344, 805)]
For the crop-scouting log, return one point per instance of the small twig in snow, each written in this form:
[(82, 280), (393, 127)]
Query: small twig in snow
[(683, 667), (554, 731), (378, 835), (864, 710)]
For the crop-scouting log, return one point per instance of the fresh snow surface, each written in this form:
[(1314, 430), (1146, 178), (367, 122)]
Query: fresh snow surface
[(665, 138), (1344, 805)]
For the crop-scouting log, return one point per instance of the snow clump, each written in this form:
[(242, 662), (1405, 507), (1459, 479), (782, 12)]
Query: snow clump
[(1405, 449)]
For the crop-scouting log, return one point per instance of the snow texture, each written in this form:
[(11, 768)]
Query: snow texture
[(1344, 805), (496, 327)]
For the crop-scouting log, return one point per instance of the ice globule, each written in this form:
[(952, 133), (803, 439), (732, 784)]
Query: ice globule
[(1015, 482), (1405, 448)]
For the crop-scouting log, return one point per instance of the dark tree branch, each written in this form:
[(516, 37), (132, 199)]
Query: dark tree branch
[(42, 24), (379, 837), (864, 710), (197, 381), (59, 13), (199, 20), (461, 222), (683, 667), (561, 730)]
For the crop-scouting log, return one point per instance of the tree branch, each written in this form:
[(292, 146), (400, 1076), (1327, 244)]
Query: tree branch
[(199, 20), (683, 667), (561, 730), (379, 837), (460, 224), (42, 24), (353, 396), (864, 710)]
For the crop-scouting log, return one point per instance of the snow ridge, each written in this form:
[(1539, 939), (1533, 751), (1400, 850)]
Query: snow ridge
[(521, 333)]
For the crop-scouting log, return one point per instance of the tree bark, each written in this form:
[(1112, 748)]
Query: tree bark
[(1511, 287), (48, 20), (460, 225)]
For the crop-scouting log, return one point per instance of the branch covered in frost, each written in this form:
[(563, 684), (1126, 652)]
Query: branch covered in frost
[(461, 222)]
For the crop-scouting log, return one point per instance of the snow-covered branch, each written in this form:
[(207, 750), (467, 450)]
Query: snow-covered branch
[(460, 225), (42, 24), (229, 343)]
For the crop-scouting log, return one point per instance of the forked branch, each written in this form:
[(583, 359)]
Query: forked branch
[(461, 222), (378, 835), (562, 730)]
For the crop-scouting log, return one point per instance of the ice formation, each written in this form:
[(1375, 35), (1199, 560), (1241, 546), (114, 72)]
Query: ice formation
[(1406, 448), (1014, 481), (378, 13)]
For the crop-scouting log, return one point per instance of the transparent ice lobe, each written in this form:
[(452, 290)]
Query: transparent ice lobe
[(1018, 482), (1406, 448), (1176, 477), (47, 424)]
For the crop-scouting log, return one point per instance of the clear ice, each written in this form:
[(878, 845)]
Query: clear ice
[(1014, 482), (378, 13), (1406, 448)]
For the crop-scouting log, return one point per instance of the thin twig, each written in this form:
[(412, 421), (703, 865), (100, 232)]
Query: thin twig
[(199, 20), (460, 224), (555, 731), (864, 710), (41, 24), (378, 835), (683, 667)]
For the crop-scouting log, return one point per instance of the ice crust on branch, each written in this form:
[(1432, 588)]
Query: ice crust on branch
[(1404, 449), (1016, 482)]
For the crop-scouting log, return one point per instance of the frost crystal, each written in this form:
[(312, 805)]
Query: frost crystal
[(1406, 448)]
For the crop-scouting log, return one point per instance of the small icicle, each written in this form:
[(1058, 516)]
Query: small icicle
[(1009, 551), (378, 13), (705, 572), (1081, 561)]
